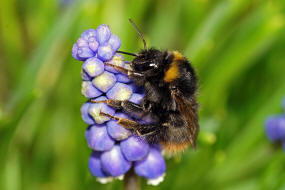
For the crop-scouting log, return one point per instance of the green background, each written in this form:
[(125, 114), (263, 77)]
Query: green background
[(237, 47)]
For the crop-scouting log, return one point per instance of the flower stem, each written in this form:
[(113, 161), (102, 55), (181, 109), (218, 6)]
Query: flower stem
[(131, 181)]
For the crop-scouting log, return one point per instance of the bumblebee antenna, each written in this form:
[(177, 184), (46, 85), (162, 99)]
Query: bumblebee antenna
[(127, 53), (138, 31)]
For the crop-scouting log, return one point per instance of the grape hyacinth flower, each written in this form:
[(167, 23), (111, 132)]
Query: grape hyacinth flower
[(115, 149), (275, 128)]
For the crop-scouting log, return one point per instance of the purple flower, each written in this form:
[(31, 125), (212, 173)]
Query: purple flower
[(117, 60), (120, 91), (275, 128), (105, 52), (115, 148), (271, 128), (95, 109), (98, 139), (94, 165), (114, 163), (115, 42), (134, 148), (153, 166), (115, 130), (93, 67), (105, 81), (281, 127), (89, 91), (103, 33), (85, 115)]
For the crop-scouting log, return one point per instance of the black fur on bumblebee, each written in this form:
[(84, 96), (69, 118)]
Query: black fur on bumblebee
[(170, 85)]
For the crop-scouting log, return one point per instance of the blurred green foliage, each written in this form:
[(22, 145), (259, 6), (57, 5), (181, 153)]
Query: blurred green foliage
[(237, 46)]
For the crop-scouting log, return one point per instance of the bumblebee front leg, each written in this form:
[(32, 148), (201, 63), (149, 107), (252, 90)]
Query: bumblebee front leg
[(130, 108)]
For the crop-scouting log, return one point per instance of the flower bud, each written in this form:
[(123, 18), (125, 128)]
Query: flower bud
[(105, 81), (105, 52), (94, 165), (93, 67), (85, 76), (272, 131), (281, 127), (123, 78), (115, 130), (114, 163), (134, 148), (82, 42), (89, 91), (115, 42), (93, 44), (95, 109), (103, 33), (117, 60), (88, 33), (153, 166), (85, 115), (84, 53), (98, 138), (120, 91)]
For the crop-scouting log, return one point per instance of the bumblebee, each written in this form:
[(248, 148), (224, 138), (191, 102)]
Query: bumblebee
[(170, 85)]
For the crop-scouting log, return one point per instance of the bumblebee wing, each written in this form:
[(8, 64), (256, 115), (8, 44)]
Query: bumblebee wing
[(189, 110)]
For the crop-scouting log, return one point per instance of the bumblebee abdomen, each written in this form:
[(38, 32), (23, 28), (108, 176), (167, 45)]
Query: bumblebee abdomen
[(174, 148)]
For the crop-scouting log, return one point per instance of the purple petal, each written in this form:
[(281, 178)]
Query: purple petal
[(84, 53), (153, 166), (98, 138), (271, 128), (75, 52), (93, 44), (123, 78), (115, 130), (281, 127), (115, 42), (85, 115), (105, 52), (120, 91), (95, 109), (136, 98), (105, 81), (94, 165), (134, 148), (82, 42), (85, 76), (93, 67), (89, 91), (114, 163), (88, 33), (117, 60), (103, 33)]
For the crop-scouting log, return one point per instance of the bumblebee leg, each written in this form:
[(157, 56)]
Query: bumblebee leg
[(130, 108), (126, 123), (140, 129), (128, 72)]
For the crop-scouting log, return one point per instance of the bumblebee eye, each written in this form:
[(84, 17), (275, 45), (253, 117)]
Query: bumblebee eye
[(153, 65), (144, 66)]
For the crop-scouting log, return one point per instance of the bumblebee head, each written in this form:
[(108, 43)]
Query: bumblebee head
[(148, 61)]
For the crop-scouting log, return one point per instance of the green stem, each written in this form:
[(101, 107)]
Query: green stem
[(131, 181)]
